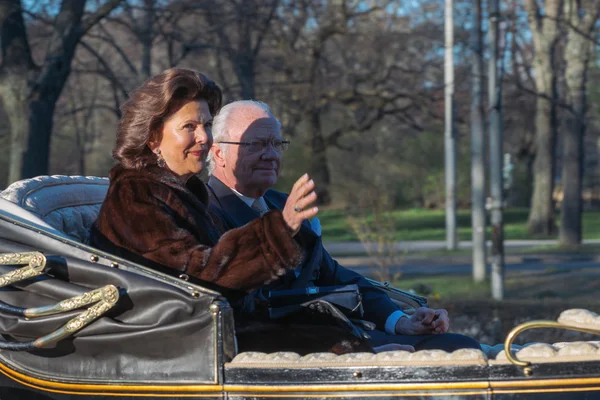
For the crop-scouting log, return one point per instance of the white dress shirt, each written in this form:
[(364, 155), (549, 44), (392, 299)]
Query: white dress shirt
[(245, 199)]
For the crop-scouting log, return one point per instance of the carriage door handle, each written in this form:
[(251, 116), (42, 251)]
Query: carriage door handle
[(103, 299)]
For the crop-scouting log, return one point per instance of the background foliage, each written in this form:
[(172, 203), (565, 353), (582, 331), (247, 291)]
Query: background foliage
[(357, 85)]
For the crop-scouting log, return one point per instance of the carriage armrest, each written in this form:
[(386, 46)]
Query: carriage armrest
[(407, 301), (22, 215)]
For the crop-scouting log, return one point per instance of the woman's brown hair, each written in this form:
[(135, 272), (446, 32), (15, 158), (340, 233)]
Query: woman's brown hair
[(149, 106)]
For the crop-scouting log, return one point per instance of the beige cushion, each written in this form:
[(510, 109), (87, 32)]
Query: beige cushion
[(390, 358)]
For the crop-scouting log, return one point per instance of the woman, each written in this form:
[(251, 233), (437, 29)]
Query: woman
[(156, 208), (155, 211)]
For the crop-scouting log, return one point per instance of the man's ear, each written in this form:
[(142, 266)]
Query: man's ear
[(218, 155)]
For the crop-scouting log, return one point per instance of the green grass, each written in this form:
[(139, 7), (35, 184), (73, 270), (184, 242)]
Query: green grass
[(423, 224), (550, 284), (445, 287)]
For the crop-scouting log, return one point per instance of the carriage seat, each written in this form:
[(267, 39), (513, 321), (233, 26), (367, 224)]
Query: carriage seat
[(488, 355), (69, 204)]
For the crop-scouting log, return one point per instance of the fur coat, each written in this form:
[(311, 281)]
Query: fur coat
[(150, 216)]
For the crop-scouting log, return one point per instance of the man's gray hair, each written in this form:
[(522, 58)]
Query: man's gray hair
[(220, 129)]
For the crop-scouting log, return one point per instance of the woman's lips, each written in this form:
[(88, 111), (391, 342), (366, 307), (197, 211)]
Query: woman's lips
[(200, 152)]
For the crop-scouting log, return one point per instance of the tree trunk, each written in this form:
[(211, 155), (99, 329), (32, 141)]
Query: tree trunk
[(572, 174), (147, 37), (541, 215), (577, 55), (31, 92), (545, 36), (245, 73), (41, 113), (31, 126), (529, 162), (319, 168), (30, 122), (12, 91)]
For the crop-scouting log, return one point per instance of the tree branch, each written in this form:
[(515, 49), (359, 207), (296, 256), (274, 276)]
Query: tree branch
[(112, 42), (92, 19), (85, 108), (16, 52), (533, 14), (265, 28), (108, 72)]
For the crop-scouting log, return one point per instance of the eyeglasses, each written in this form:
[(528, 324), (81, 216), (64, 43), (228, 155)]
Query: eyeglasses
[(255, 146)]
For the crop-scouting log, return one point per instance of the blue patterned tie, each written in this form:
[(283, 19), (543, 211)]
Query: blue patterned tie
[(260, 206)]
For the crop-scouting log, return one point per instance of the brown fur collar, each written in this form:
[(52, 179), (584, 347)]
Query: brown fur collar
[(161, 175), (150, 214)]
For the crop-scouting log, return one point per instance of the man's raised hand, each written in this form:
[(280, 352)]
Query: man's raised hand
[(298, 206)]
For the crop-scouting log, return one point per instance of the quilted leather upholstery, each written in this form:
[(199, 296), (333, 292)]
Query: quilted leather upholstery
[(69, 204)]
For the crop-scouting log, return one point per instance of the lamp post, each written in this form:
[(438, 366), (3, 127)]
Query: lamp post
[(477, 148), (449, 131), (496, 156)]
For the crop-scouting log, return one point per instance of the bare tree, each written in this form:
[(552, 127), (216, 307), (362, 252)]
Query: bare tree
[(580, 17), (81, 114), (240, 29), (376, 231), (344, 69), (30, 91), (544, 25), (127, 48), (520, 97), (114, 57)]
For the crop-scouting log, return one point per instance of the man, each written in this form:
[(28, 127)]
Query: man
[(244, 163)]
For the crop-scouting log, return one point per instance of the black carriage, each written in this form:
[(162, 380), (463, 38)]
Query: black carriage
[(80, 323)]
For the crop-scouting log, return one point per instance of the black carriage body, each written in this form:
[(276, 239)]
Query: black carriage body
[(170, 338)]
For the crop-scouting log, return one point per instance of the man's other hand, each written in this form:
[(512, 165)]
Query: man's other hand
[(424, 321)]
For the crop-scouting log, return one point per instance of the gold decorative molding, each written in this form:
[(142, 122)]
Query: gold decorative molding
[(35, 261), (72, 303), (107, 297), (33, 257), (103, 299), (535, 325)]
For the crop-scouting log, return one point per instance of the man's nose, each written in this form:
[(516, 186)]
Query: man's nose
[(269, 153)]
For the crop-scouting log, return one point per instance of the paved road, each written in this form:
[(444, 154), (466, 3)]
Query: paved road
[(438, 268), (352, 255)]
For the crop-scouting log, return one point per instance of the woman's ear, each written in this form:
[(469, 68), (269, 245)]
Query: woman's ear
[(153, 145)]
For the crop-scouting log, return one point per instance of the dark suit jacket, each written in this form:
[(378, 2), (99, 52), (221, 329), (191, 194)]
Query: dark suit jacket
[(319, 267)]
